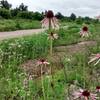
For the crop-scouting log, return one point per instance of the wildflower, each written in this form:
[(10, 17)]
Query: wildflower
[(84, 94), (84, 32), (42, 62), (98, 88), (96, 58), (50, 20), (53, 36)]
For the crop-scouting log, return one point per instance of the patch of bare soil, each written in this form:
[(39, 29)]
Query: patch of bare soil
[(59, 52), (31, 69), (79, 47)]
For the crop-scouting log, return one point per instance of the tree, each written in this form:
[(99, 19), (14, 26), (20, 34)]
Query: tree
[(38, 16), (14, 12), (79, 20), (59, 15), (73, 17), (5, 4), (4, 13), (87, 20), (25, 15), (23, 7)]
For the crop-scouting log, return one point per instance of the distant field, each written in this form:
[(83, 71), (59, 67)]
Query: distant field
[(18, 24)]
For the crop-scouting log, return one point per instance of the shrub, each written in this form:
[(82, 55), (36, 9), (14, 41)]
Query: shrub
[(5, 13), (38, 16), (25, 15)]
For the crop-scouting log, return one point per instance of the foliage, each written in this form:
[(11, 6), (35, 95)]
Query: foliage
[(14, 12), (5, 13), (5, 4), (23, 7), (25, 15), (14, 52), (59, 15), (73, 17), (38, 16), (17, 24)]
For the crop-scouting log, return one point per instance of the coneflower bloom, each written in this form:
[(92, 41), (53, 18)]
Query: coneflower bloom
[(50, 21), (98, 88), (95, 58), (84, 94), (53, 36), (42, 62), (84, 31)]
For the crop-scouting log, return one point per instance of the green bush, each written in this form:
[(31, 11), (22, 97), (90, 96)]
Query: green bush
[(28, 47), (37, 16), (25, 15), (5, 13), (14, 52), (17, 24)]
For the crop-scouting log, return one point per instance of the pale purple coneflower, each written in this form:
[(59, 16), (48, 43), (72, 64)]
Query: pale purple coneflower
[(42, 62), (98, 88), (84, 31), (50, 21), (94, 58), (84, 94)]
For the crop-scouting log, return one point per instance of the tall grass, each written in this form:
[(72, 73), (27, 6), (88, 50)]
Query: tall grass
[(18, 24), (70, 34), (13, 52)]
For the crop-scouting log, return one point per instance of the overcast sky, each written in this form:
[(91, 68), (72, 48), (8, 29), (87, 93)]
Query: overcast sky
[(79, 7)]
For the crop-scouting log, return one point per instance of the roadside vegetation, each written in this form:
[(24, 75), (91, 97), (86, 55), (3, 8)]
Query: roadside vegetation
[(15, 52), (29, 71)]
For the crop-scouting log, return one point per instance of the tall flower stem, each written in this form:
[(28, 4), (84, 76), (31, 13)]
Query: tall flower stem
[(42, 83), (51, 46), (84, 75), (48, 87), (51, 41), (65, 73)]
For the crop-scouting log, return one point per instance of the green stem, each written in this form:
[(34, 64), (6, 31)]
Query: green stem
[(48, 87), (84, 76), (43, 90), (51, 41), (65, 74), (51, 46)]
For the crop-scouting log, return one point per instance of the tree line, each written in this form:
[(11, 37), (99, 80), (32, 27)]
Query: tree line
[(22, 11)]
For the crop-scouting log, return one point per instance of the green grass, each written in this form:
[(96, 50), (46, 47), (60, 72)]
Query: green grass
[(18, 24), (14, 52), (70, 35)]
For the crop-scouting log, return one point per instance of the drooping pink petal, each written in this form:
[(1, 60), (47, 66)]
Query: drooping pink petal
[(93, 59), (50, 17), (98, 55), (93, 96), (84, 94), (97, 62)]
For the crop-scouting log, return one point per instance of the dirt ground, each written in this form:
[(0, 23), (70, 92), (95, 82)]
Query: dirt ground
[(19, 33), (32, 70)]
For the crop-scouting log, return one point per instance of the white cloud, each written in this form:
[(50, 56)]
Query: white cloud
[(66, 7)]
